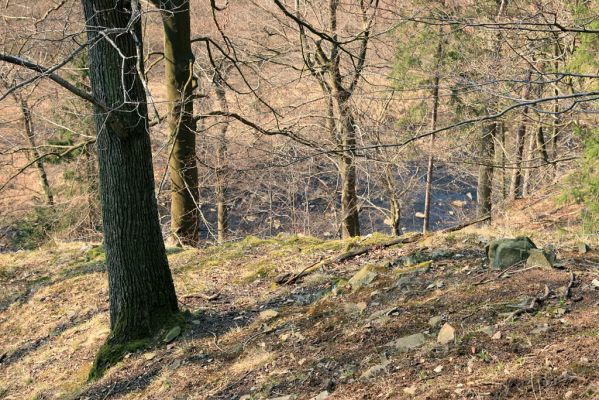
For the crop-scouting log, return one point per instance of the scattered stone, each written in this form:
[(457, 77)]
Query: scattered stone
[(410, 390), (267, 315), (540, 329), (488, 330), (149, 356), (438, 369), (362, 278), (435, 321), (446, 334), (172, 334), (583, 248), (539, 258), (174, 365), (288, 397), (496, 336), (362, 306), (560, 312), (568, 394), (595, 283), (375, 370), (322, 395), (408, 343), (504, 253)]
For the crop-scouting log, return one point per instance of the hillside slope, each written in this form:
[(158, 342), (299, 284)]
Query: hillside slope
[(332, 333)]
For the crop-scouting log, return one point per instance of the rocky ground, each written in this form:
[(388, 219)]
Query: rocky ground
[(423, 320)]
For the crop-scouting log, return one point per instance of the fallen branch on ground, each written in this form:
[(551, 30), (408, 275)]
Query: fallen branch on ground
[(210, 297), (367, 249)]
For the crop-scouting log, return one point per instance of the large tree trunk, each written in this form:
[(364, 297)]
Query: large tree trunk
[(180, 85), (141, 291), (35, 154), (485, 174)]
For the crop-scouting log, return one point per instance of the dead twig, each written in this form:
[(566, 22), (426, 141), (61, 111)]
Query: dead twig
[(216, 340), (534, 305), (209, 297), (301, 273)]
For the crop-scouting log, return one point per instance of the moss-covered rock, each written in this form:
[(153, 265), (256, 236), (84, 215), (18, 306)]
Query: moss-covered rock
[(504, 253)]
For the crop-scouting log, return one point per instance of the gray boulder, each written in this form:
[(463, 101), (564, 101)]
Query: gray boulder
[(504, 253)]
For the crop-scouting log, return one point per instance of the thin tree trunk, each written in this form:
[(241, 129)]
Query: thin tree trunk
[(516, 181), (350, 224), (431, 158), (487, 142), (526, 182), (35, 154), (394, 205), (221, 159), (556, 114), (141, 291), (180, 85), (485, 174), (502, 161), (542, 145)]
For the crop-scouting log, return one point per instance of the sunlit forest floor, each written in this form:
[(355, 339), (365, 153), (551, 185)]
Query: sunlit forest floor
[(332, 333)]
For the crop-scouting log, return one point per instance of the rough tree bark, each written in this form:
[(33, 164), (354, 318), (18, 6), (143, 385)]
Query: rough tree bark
[(141, 291), (180, 85), (347, 168)]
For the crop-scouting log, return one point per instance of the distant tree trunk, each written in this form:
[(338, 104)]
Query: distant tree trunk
[(180, 85), (488, 135), (485, 174), (221, 170), (526, 182), (556, 114), (516, 181), (394, 205), (542, 145), (431, 159), (141, 291), (502, 160), (35, 154), (430, 165)]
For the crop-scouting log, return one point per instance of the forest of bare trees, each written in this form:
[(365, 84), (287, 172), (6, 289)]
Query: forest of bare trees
[(328, 119)]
